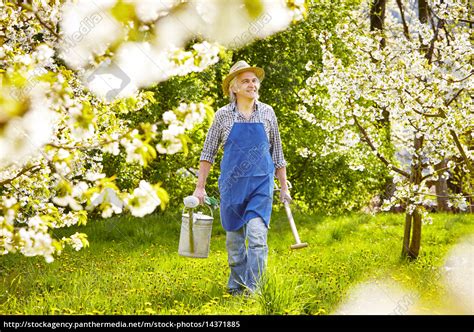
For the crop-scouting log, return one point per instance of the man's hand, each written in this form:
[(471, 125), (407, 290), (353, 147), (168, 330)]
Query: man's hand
[(285, 196), (200, 193)]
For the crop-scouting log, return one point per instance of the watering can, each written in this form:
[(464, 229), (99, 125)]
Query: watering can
[(196, 228)]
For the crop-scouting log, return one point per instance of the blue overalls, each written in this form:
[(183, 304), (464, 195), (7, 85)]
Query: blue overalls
[(246, 197)]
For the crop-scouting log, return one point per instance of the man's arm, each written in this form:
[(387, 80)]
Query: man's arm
[(284, 192), (278, 159), (200, 191)]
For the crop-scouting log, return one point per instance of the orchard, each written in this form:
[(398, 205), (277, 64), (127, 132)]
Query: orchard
[(105, 107)]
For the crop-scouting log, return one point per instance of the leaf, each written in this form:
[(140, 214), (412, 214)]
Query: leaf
[(209, 113), (254, 8), (184, 141), (57, 245), (150, 311), (82, 218), (163, 196)]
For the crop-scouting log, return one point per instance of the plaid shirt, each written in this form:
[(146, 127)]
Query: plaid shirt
[(223, 122)]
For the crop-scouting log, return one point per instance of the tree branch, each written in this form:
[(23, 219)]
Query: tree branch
[(460, 80), (461, 151), (190, 171), (429, 54), (373, 148), (439, 115), (43, 23), (404, 22), (444, 196), (454, 98), (32, 169), (85, 148), (439, 171)]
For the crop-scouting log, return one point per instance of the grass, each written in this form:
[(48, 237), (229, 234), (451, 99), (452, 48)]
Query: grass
[(132, 267)]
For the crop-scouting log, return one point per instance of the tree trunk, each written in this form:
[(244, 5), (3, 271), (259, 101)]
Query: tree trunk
[(412, 235), (413, 222), (377, 17), (423, 11), (406, 236), (442, 188), (416, 236)]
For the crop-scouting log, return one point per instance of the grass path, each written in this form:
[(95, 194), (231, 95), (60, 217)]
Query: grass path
[(132, 267)]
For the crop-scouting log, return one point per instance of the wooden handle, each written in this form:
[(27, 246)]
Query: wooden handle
[(292, 222)]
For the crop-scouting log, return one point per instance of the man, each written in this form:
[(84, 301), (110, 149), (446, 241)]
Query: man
[(248, 130)]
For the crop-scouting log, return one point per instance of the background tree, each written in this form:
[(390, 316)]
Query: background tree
[(424, 79)]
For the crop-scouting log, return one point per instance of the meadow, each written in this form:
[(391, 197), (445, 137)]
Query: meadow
[(132, 267)]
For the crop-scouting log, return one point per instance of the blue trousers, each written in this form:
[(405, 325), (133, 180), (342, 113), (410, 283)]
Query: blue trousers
[(247, 264)]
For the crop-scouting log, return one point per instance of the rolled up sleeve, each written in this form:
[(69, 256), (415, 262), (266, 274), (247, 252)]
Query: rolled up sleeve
[(211, 144), (276, 149)]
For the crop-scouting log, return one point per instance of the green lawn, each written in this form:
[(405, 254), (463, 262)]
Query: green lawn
[(132, 267)]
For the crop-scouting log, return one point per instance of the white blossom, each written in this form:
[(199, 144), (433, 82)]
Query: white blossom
[(143, 201)]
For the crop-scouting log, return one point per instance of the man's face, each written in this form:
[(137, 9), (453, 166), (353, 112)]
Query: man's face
[(247, 85)]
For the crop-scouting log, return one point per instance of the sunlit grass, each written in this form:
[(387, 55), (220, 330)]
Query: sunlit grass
[(132, 267)]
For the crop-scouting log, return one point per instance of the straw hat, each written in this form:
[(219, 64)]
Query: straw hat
[(240, 67)]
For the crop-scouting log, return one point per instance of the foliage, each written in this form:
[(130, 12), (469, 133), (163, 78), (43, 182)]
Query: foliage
[(323, 181), (72, 72)]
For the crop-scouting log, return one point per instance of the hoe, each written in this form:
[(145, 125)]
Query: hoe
[(298, 244)]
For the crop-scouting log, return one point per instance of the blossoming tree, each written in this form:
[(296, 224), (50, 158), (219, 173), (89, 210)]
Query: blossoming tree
[(67, 70), (405, 91)]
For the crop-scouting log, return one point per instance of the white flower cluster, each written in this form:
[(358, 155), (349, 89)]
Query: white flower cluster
[(109, 201), (73, 199), (143, 201), (305, 152), (183, 118), (77, 241), (304, 114), (33, 241), (24, 135), (80, 129), (133, 145)]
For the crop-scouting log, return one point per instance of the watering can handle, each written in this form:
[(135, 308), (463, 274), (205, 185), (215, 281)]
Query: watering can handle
[(288, 183)]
